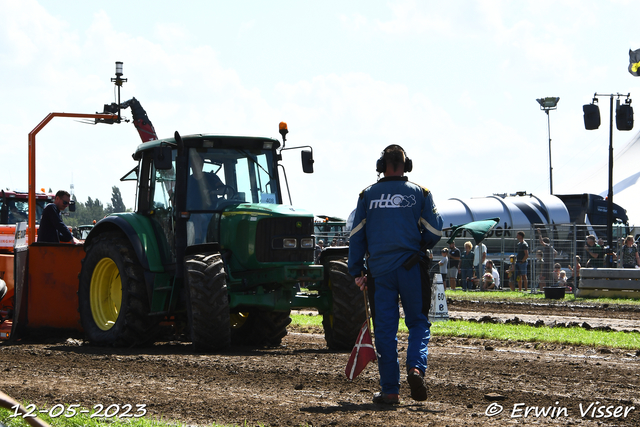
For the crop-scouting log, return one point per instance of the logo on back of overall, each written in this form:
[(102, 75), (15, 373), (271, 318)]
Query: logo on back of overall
[(393, 201)]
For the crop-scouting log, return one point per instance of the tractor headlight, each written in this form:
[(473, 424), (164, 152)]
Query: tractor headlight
[(289, 243), (307, 243)]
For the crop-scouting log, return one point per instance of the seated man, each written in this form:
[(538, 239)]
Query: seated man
[(202, 191), (491, 279), (487, 282), (15, 215), (204, 188)]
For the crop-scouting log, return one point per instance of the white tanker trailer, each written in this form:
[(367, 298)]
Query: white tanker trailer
[(553, 215), (516, 212)]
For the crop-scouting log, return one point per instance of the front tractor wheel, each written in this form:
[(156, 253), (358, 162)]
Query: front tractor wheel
[(208, 302), (112, 297)]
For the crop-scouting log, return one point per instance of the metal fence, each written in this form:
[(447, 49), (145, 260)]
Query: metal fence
[(565, 242)]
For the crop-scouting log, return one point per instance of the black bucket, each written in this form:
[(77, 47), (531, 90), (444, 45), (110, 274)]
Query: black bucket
[(554, 292)]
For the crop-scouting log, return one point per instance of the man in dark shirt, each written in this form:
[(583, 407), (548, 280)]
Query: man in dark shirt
[(549, 255), (52, 229), (522, 254), (454, 262), (595, 252)]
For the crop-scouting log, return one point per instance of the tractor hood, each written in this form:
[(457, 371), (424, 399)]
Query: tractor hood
[(264, 209), (257, 235)]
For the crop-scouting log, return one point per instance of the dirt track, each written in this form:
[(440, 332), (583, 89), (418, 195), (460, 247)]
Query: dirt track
[(302, 383)]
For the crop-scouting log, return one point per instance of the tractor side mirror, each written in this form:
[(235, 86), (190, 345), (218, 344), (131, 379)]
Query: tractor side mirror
[(162, 158), (307, 161), (72, 206)]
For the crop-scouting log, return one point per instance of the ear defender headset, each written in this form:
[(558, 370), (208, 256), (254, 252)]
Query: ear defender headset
[(381, 164)]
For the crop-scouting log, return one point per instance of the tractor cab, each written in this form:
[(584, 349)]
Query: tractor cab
[(219, 174)]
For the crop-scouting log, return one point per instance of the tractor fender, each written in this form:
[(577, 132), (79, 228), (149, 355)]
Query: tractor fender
[(139, 231), (333, 252)]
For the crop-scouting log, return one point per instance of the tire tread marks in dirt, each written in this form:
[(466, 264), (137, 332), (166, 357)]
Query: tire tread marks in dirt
[(208, 302), (342, 324), (262, 329), (134, 326)]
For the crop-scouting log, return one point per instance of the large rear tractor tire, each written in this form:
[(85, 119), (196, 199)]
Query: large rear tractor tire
[(342, 324), (208, 310), (112, 296), (258, 328)]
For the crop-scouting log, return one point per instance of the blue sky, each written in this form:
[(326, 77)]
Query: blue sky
[(454, 83)]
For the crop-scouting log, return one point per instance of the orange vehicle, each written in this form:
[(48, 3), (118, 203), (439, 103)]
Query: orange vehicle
[(13, 210), (41, 277), (40, 284)]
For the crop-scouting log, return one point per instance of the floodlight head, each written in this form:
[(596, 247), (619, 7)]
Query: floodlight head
[(548, 103)]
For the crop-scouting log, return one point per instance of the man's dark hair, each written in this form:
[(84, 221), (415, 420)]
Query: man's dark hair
[(62, 193), (395, 156), (520, 233)]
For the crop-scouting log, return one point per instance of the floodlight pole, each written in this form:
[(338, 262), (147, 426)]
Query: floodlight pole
[(546, 104), (550, 167), (610, 190)]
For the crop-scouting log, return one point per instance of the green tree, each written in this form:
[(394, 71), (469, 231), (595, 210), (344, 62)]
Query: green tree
[(95, 210), (86, 213), (117, 205)]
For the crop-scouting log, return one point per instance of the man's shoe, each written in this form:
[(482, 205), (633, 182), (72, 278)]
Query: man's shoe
[(415, 378), (386, 399)]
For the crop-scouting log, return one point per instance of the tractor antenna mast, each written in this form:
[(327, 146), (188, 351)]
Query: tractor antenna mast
[(118, 82)]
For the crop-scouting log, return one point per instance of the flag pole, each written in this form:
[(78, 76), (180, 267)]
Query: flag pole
[(366, 308)]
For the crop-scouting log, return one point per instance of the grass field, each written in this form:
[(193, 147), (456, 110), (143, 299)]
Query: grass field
[(523, 333), (528, 296)]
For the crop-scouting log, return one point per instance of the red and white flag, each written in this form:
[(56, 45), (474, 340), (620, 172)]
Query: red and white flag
[(362, 353)]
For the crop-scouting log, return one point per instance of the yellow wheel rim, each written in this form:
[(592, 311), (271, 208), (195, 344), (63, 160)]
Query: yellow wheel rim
[(238, 319), (105, 295)]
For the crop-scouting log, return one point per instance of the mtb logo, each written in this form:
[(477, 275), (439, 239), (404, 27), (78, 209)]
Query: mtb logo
[(393, 201)]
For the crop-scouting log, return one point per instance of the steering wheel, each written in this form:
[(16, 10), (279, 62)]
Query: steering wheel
[(226, 190)]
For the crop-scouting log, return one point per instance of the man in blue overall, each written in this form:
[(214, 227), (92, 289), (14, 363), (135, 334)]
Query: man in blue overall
[(395, 219)]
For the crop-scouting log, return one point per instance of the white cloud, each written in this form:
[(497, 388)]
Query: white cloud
[(247, 26), (354, 22), (171, 33), (28, 32), (410, 18)]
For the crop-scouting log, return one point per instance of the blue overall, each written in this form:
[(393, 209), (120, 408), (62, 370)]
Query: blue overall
[(393, 219)]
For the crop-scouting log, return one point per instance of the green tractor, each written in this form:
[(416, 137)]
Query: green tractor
[(211, 246)]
